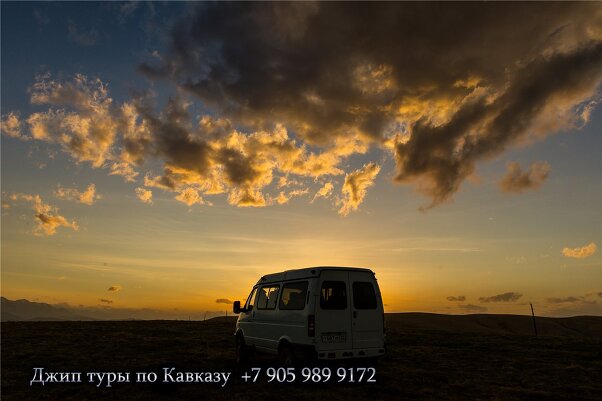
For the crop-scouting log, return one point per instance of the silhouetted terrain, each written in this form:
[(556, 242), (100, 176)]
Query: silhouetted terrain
[(25, 310), (581, 326), (430, 357)]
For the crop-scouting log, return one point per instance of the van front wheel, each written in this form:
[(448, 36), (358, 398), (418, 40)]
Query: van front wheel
[(242, 354), (287, 357)]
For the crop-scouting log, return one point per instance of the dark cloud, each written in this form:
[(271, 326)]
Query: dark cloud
[(444, 155), (83, 38), (574, 305), (223, 301), (114, 288), (443, 85), (571, 299), (505, 297), (173, 137), (516, 180), (589, 298), (459, 298), (105, 301), (472, 308), (40, 17)]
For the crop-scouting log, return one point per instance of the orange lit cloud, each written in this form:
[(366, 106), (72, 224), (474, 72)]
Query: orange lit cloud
[(284, 197), (89, 131), (324, 192), (11, 126), (580, 252), (46, 216), (355, 187), (88, 197), (190, 196), (144, 195)]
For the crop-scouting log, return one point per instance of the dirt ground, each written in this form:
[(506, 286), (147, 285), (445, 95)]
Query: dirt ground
[(449, 358)]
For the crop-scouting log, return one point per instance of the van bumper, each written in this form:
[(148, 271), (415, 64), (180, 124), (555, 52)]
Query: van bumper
[(351, 353)]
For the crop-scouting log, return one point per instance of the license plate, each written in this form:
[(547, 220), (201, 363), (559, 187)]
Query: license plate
[(339, 337)]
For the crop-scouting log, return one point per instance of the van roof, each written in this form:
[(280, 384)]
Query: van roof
[(308, 272)]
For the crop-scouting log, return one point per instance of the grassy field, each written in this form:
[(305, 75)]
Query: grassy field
[(430, 357)]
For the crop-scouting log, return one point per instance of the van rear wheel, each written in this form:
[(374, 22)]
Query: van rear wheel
[(287, 357), (242, 354)]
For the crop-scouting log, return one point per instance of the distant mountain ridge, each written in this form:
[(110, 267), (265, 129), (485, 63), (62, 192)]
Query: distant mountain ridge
[(24, 310)]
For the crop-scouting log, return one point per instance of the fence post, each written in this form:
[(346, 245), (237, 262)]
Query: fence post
[(533, 314)]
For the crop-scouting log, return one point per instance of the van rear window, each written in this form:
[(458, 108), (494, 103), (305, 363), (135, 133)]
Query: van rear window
[(293, 296), (363, 295), (333, 295), (267, 297)]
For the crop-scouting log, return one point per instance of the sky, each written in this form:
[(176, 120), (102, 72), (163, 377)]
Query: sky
[(166, 155)]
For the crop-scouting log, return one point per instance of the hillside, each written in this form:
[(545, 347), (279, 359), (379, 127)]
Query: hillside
[(581, 326)]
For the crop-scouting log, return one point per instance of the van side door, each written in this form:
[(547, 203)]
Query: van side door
[(265, 316), (246, 320), (367, 311)]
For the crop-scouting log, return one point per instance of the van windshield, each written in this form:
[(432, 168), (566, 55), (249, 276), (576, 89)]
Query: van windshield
[(251, 300), (333, 295)]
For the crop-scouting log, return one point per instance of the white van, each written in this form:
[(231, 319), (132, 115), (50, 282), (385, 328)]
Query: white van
[(320, 312)]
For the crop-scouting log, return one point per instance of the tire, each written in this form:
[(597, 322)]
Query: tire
[(242, 353), (287, 356)]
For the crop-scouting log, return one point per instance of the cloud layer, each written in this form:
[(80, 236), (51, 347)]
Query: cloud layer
[(441, 102), (286, 100)]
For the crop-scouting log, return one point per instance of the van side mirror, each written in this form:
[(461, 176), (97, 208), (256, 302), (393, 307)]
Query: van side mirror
[(236, 307)]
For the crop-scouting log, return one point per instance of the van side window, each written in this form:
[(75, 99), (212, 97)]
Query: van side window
[(333, 295), (251, 300), (363, 295), (293, 296), (267, 297)]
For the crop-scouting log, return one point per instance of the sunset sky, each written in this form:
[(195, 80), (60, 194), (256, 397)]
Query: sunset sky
[(165, 156)]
